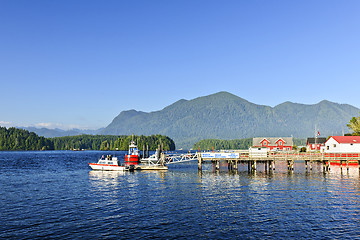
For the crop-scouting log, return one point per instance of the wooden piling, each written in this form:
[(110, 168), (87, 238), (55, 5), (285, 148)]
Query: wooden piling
[(266, 167), (199, 162), (341, 169)]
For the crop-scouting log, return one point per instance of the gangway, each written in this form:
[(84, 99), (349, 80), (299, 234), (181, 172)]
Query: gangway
[(179, 158)]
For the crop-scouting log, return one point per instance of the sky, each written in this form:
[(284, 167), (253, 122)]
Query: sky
[(78, 64)]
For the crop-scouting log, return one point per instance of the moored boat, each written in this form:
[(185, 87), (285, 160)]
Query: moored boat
[(109, 163), (133, 156)]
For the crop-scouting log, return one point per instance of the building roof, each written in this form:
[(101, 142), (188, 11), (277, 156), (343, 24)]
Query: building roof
[(319, 140), (346, 139), (288, 141)]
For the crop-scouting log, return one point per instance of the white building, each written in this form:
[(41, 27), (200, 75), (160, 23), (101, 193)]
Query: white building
[(342, 144), (258, 151)]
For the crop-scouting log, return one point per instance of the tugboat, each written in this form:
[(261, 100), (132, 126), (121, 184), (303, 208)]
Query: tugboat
[(133, 156), (109, 163)]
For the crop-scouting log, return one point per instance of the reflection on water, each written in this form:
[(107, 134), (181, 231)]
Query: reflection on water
[(55, 195)]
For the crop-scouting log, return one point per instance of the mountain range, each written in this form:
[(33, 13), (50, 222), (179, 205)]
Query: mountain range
[(226, 116), (56, 132)]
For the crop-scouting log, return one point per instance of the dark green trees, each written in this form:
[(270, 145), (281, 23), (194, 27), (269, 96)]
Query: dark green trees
[(354, 125), (18, 139)]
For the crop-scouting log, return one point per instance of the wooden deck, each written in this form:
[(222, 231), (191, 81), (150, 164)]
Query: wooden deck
[(270, 159)]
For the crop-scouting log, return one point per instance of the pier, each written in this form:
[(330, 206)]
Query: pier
[(270, 159)]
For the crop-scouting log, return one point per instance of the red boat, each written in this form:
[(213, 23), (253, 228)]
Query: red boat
[(133, 157)]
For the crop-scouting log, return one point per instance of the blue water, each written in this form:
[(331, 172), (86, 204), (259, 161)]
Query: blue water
[(54, 195)]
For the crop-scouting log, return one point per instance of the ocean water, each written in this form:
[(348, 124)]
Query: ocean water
[(55, 195)]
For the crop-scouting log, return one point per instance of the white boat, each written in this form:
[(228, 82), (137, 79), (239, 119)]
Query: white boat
[(109, 163)]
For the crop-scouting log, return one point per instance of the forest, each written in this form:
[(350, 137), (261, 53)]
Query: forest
[(18, 139), (14, 139), (111, 142)]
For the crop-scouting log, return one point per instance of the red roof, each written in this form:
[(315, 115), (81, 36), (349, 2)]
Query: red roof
[(347, 139)]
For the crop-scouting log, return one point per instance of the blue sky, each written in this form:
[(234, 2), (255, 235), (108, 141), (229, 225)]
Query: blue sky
[(80, 63)]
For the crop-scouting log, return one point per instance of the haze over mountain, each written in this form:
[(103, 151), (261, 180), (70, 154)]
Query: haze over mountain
[(226, 116), (49, 133)]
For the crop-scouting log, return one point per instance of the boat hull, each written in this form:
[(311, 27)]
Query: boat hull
[(131, 159), (106, 167)]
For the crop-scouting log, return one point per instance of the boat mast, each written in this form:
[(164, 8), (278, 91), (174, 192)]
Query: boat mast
[(315, 138)]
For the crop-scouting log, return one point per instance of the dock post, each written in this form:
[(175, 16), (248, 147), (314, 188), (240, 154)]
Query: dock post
[(292, 165), (310, 165), (266, 163), (199, 162), (254, 165), (249, 162), (236, 164), (306, 165), (329, 165), (347, 165), (340, 165), (217, 166), (162, 161)]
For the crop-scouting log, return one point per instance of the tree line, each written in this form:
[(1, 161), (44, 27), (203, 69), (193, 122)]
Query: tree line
[(111, 142), (14, 139)]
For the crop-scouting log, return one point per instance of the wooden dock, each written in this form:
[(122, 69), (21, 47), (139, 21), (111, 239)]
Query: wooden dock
[(269, 159)]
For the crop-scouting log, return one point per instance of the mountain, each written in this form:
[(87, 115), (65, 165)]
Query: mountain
[(226, 116), (49, 133)]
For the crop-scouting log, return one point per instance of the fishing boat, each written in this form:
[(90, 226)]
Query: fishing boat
[(133, 156), (109, 163)]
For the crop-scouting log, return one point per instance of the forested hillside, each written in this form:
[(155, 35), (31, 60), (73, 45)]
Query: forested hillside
[(226, 116), (109, 142), (13, 139), (18, 139)]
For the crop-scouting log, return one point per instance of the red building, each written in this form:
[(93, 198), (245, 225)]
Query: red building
[(274, 143), (314, 144)]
